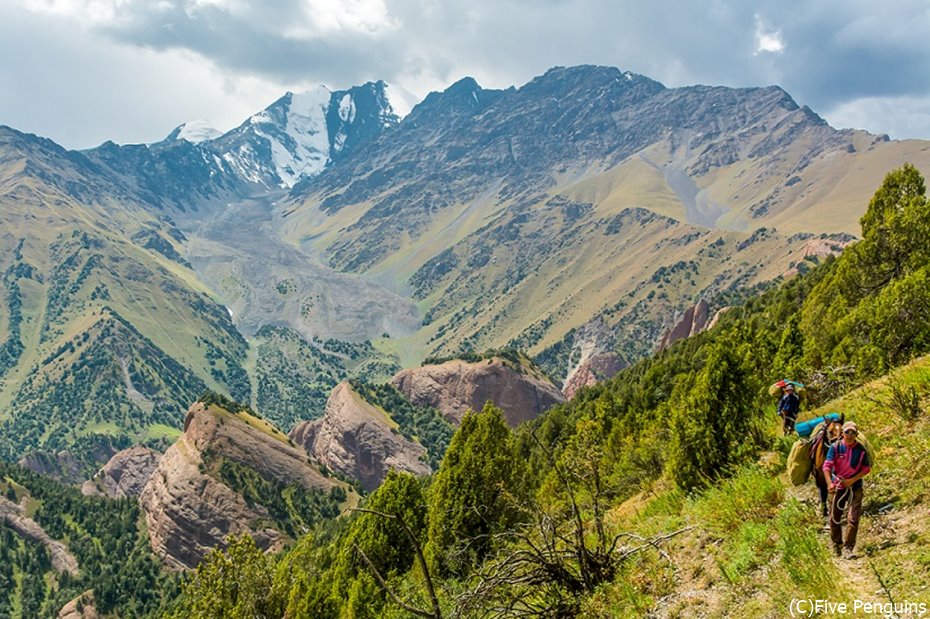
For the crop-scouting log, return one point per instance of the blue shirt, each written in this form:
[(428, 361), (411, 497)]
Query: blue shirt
[(790, 405)]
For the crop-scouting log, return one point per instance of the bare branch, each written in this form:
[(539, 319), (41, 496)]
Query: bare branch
[(434, 600)]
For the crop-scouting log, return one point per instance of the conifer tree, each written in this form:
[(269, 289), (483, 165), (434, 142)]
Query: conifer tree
[(471, 497), (712, 421)]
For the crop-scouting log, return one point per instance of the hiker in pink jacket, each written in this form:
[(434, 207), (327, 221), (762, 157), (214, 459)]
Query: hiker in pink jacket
[(846, 464)]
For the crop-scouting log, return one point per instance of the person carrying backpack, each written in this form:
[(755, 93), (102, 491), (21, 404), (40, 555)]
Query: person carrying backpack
[(846, 464), (788, 408)]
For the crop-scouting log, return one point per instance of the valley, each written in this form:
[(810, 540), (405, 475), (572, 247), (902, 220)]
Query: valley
[(230, 341)]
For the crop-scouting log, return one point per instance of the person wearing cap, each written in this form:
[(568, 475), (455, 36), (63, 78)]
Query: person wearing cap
[(846, 464), (788, 408)]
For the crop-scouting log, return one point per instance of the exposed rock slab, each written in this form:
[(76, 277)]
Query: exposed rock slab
[(594, 369), (457, 386), (189, 512), (125, 475), (81, 607), (694, 320), (358, 439), (15, 517)]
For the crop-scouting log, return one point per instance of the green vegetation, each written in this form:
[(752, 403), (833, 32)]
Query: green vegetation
[(661, 486), (293, 508), (12, 348), (94, 368), (106, 537), (421, 423), (294, 377)]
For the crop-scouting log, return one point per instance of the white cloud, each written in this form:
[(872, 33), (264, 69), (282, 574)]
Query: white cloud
[(767, 41), (899, 117)]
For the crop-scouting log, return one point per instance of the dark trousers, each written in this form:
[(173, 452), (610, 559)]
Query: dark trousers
[(789, 423), (851, 500)]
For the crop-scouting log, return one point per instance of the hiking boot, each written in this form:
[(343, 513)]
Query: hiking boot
[(838, 549), (849, 553)]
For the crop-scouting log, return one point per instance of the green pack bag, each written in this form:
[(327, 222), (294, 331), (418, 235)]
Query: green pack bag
[(800, 463)]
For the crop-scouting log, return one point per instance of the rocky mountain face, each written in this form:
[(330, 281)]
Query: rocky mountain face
[(457, 386), (196, 168), (125, 474), (359, 440), (200, 492), (593, 370), (693, 321), (81, 607), (518, 216)]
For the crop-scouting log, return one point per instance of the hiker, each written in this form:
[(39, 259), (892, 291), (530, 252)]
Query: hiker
[(788, 408), (846, 464)]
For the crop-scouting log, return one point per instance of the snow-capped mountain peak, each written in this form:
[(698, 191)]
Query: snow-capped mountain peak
[(301, 133)]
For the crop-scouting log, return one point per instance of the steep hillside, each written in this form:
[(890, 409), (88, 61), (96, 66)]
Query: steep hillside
[(231, 473), (517, 216), (56, 544), (757, 525), (106, 330), (360, 441), (294, 378)]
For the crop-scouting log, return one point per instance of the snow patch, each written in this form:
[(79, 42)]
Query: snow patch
[(400, 100), (197, 131), (299, 145), (347, 108)]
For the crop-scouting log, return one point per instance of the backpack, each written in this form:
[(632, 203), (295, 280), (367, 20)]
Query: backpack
[(800, 463)]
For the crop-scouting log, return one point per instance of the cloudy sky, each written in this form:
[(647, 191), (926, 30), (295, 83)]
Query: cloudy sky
[(84, 71)]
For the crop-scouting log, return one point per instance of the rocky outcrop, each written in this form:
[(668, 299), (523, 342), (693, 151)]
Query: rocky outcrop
[(125, 475), (693, 321), (823, 247), (16, 519), (81, 607), (189, 511), (64, 465), (457, 386), (359, 440), (594, 369)]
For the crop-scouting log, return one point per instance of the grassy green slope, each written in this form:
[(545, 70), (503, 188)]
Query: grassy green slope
[(106, 328), (107, 538), (758, 542)]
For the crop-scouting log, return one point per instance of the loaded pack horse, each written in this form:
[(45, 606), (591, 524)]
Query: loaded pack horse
[(826, 435)]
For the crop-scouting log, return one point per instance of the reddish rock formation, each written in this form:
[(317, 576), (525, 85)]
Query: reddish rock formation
[(456, 386), (189, 512), (693, 322), (591, 371), (359, 440), (125, 475)]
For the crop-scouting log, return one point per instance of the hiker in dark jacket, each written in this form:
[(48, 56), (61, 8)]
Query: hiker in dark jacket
[(846, 464), (788, 408)]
